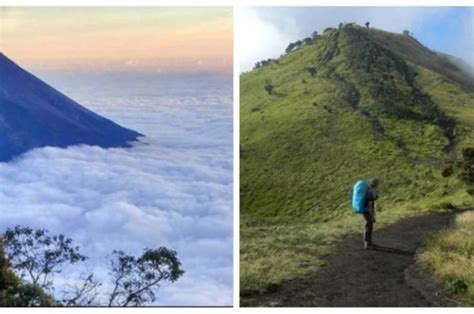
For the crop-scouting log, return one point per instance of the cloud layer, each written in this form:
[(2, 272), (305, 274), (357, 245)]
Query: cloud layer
[(174, 188)]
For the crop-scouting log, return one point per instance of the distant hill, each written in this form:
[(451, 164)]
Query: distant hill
[(412, 51), (34, 114), (353, 103)]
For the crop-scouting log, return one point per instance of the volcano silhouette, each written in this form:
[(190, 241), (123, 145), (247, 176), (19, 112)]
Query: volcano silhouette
[(34, 114)]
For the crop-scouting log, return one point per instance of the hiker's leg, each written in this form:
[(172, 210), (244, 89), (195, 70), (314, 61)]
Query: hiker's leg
[(368, 228), (371, 220), (368, 220)]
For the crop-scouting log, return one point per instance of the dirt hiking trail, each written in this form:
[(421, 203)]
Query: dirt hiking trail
[(356, 277)]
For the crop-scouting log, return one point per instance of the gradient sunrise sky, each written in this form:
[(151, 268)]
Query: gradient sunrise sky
[(151, 39)]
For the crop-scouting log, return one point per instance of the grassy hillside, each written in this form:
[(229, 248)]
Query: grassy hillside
[(450, 255), (413, 51), (344, 106)]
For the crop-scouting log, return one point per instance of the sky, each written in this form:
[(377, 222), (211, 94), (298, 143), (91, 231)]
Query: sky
[(265, 32), (147, 39)]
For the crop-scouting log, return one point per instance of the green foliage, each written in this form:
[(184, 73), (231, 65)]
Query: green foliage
[(264, 63), (268, 86), (466, 168), (36, 256), (135, 279), (14, 291), (448, 169), (311, 71), (292, 46), (27, 294), (307, 40), (459, 286), (328, 29), (368, 111), (8, 280)]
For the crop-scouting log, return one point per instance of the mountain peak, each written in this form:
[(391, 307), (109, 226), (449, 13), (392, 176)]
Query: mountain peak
[(407, 48), (346, 104), (3, 57), (33, 114), (6, 62)]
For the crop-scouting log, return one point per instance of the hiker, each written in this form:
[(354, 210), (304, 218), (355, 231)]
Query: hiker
[(363, 202), (369, 215)]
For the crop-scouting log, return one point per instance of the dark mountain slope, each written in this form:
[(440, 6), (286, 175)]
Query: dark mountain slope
[(33, 114)]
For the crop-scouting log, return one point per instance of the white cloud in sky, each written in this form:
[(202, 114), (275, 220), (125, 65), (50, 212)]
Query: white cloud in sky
[(258, 39), (288, 24), (466, 46), (172, 189)]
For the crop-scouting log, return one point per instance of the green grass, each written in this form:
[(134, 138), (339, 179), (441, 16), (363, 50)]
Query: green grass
[(450, 254), (366, 112), (455, 101), (271, 254)]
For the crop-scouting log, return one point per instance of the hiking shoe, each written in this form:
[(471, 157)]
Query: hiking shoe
[(369, 246)]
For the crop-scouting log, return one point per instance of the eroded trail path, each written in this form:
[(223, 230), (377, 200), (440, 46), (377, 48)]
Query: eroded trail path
[(357, 277)]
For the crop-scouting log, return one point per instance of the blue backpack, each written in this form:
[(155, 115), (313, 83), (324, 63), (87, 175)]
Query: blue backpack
[(358, 197)]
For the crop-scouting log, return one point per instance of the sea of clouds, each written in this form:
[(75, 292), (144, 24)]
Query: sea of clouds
[(173, 188)]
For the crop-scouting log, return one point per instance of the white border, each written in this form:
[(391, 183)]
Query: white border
[(237, 4), (236, 161)]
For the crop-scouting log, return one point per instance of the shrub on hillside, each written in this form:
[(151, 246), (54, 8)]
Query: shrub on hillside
[(466, 169), (269, 86), (311, 71)]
